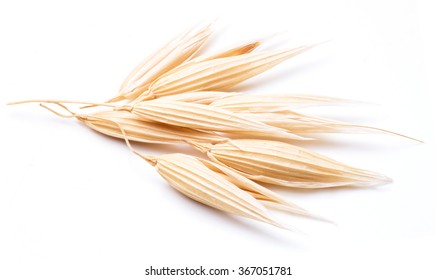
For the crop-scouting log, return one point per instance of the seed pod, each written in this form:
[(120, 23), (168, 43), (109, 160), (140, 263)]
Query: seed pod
[(286, 165)]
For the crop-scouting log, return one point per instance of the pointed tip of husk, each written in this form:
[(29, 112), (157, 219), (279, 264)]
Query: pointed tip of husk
[(371, 179), (294, 209), (383, 180)]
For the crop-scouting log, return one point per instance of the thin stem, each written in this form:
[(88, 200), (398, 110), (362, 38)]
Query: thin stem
[(57, 113), (150, 159), (59, 102)]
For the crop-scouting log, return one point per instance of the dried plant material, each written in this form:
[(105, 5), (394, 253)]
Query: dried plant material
[(201, 97), (161, 61), (267, 197), (136, 129), (125, 125), (287, 165), (235, 51), (302, 124), (275, 103), (190, 176), (201, 117), (191, 104), (217, 74)]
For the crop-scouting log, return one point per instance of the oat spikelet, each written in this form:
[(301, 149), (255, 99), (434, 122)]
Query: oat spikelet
[(161, 61), (302, 124), (274, 103), (201, 97), (202, 117), (136, 129), (235, 51), (217, 74), (190, 176), (267, 197), (287, 165)]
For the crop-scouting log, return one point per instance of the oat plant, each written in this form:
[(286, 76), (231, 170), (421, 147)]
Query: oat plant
[(179, 95)]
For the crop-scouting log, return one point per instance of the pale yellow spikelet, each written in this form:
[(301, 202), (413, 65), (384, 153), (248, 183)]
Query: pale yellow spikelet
[(235, 51), (137, 129), (190, 176), (162, 60), (217, 74), (201, 117), (201, 97), (267, 197), (274, 102), (287, 165), (303, 124)]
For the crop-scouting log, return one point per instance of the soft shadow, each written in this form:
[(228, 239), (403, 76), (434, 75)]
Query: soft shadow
[(330, 191), (341, 141), (277, 236)]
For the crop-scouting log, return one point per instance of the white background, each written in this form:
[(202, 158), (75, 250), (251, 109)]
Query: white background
[(77, 205)]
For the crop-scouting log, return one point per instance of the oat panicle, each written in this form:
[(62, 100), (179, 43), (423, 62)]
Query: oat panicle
[(178, 95)]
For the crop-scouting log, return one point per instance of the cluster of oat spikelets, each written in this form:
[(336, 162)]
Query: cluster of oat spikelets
[(178, 96)]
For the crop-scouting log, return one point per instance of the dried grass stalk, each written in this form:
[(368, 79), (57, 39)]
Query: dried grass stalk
[(161, 61), (287, 165), (193, 178), (217, 74), (139, 130), (201, 117)]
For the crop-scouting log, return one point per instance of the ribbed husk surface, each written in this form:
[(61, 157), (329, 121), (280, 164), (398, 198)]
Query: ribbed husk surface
[(190, 176), (287, 165), (135, 128)]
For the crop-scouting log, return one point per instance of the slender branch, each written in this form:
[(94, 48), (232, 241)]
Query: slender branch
[(59, 102)]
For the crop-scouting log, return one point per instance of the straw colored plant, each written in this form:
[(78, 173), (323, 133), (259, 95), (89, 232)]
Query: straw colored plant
[(177, 96)]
